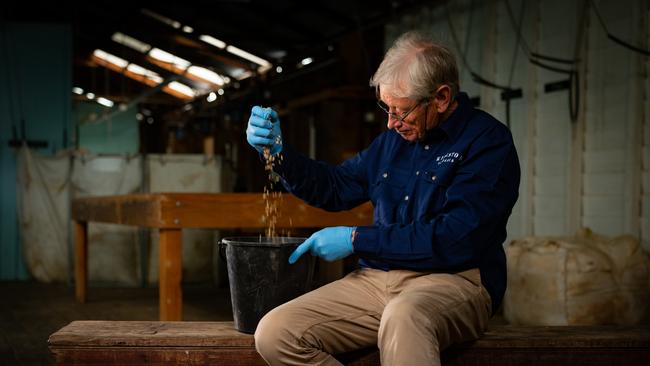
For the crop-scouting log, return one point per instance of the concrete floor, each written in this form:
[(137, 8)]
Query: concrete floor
[(30, 312)]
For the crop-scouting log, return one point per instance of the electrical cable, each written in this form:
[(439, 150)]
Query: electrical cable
[(7, 65), (574, 95), (19, 90), (506, 90), (534, 56), (468, 34), (549, 67), (515, 48), (615, 38), (539, 59), (552, 58), (513, 62), (574, 79)]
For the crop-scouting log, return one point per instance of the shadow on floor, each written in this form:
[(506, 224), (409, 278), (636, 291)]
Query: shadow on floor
[(31, 311)]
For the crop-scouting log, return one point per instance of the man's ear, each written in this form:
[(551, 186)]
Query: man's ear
[(443, 99)]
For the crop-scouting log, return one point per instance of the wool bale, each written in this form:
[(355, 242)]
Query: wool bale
[(586, 279)]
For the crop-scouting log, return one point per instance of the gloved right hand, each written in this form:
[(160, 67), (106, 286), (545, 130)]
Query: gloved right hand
[(264, 130)]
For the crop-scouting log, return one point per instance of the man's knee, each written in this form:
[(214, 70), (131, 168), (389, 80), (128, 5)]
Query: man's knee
[(406, 337), (401, 314), (272, 335)]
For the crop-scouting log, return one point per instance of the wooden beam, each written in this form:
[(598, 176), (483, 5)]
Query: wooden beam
[(210, 210)]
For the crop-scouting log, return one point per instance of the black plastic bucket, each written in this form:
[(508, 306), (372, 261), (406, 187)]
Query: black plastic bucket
[(261, 277)]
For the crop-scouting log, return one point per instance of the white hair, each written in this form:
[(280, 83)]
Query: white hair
[(415, 66)]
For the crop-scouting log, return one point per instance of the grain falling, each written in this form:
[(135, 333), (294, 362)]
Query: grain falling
[(272, 199)]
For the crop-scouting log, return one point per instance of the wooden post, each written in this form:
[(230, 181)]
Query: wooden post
[(81, 259), (169, 283)]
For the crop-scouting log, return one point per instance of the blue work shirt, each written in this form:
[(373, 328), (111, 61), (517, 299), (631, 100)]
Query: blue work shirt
[(441, 204)]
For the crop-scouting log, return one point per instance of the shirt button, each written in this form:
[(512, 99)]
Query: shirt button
[(417, 173), (426, 147), (433, 177), (406, 198), (385, 175)]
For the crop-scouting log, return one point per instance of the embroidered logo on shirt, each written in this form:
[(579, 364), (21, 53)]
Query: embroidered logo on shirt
[(449, 158)]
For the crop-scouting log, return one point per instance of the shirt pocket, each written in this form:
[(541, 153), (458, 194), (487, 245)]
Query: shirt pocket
[(387, 193), (432, 190)]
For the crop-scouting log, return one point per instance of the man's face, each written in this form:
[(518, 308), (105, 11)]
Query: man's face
[(412, 127)]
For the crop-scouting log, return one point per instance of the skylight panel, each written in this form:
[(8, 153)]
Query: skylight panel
[(161, 18), (140, 74), (112, 59), (156, 78), (213, 41), (139, 70), (167, 57), (241, 74), (182, 88), (206, 74), (130, 42), (105, 102), (248, 56)]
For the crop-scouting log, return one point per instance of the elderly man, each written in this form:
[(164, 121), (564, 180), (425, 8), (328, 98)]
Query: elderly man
[(443, 180)]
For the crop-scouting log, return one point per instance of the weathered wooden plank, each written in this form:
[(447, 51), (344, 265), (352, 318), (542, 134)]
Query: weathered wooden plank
[(218, 343), (86, 333), (210, 210), (246, 210), (565, 337), (135, 209), (80, 260), (170, 298), (100, 333), (552, 342), (157, 356), (543, 357)]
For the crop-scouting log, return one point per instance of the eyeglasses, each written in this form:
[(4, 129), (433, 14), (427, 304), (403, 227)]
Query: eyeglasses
[(399, 118)]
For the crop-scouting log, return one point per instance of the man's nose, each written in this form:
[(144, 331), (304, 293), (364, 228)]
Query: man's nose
[(392, 122)]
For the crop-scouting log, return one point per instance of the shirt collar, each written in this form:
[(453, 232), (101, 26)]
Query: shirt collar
[(453, 125)]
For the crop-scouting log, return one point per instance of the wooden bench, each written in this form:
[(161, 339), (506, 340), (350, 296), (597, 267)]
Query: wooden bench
[(172, 212), (218, 343)]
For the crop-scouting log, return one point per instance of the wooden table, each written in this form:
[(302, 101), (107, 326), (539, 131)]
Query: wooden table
[(172, 212)]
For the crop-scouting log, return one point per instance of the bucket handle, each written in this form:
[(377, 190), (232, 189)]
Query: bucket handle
[(222, 251)]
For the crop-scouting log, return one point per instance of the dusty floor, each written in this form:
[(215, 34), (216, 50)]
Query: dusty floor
[(30, 312)]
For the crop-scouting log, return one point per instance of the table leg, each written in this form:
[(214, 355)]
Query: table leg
[(80, 259), (171, 294)]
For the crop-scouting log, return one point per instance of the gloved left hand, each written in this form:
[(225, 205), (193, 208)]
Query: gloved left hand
[(331, 243)]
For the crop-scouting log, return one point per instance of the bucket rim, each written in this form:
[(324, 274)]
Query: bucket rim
[(257, 241)]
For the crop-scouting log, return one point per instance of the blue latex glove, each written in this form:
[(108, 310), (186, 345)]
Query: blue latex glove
[(264, 130), (331, 243)]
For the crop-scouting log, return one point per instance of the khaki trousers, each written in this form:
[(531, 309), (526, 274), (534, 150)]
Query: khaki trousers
[(411, 316)]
